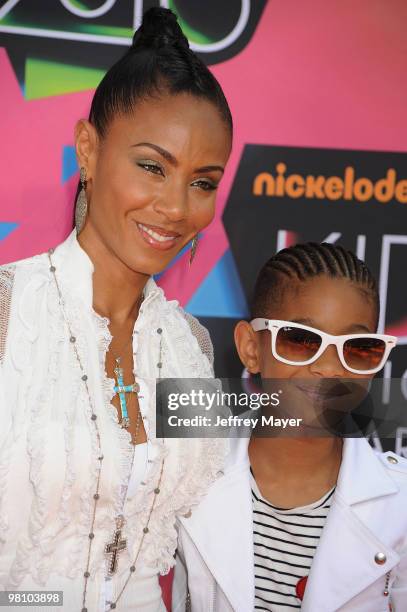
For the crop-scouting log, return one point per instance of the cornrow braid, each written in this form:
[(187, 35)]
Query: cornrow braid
[(305, 261)]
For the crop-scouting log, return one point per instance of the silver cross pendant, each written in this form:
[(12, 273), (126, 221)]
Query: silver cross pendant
[(115, 547)]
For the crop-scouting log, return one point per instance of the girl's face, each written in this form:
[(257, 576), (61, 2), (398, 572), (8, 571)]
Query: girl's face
[(335, 306), (316, 393), (152, 180)]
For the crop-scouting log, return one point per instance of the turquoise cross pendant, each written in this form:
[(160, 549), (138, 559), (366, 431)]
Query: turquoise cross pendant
[(121, 389)]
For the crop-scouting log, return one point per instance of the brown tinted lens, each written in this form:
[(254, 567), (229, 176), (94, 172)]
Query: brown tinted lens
[(297, 344), (363, 353)]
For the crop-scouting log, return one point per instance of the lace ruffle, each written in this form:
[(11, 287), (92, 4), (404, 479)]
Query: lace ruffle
[(104, 338), (190, 465), (186, 476), (30, 308)]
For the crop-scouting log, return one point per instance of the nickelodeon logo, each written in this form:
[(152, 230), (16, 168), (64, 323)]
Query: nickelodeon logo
[(330, 188)]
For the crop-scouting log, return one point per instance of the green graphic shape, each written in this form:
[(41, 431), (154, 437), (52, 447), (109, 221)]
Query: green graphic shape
[(104, 30), (79, 5), (44, 78)]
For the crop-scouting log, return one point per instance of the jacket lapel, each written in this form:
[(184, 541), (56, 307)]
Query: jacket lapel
[(344, 564), (221, 528)]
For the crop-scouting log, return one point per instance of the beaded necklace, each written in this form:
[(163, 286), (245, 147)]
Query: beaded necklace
[(100, 458)]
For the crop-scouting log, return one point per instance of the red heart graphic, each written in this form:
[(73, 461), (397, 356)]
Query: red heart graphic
[(300, 587)]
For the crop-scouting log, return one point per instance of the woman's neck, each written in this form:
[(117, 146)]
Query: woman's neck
[(116, 289)]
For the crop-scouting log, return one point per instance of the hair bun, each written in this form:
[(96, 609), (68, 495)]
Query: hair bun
[(159, 28)]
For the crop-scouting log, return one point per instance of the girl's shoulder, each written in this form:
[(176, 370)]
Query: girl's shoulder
[(396, 466), (393, 462)]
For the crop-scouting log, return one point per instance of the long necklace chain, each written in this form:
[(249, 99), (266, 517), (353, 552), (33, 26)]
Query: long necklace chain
[(100, 458), (125, 345), (125, 421)]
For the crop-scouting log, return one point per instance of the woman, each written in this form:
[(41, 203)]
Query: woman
[(88, 495), (309, 521)]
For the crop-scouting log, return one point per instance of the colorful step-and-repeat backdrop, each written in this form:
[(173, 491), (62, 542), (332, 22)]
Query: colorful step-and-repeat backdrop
[(319, 95)]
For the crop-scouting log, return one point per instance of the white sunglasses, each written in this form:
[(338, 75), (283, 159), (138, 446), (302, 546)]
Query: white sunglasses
[(296, 344)]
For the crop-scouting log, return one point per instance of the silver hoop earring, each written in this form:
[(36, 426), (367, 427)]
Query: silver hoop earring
[(194, 246), (81, 207)]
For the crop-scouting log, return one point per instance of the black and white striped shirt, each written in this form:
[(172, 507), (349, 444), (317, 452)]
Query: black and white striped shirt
[(285, 542)]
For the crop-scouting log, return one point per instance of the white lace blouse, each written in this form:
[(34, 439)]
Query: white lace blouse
[(48, 449)]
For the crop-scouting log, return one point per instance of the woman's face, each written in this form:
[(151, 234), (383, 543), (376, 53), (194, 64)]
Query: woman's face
[(152, 180)]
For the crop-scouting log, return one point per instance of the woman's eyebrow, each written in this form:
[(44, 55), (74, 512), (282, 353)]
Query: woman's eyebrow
[(210, 169), (173, 160), (163, 152)]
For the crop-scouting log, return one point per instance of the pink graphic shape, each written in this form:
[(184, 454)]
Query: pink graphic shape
[(315, 74), (33, 135), (398, 329)]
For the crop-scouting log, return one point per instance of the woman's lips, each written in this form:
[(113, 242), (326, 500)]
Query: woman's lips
[(157, 237)]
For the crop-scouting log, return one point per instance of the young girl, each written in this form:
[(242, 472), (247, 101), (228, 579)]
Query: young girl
[(311, 523)]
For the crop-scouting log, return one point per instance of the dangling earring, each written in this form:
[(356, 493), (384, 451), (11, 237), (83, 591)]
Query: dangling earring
[(194, 245), (81, 208)]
